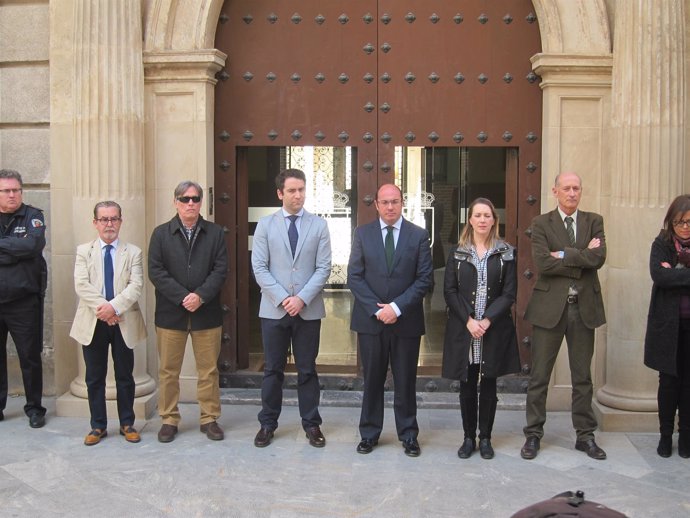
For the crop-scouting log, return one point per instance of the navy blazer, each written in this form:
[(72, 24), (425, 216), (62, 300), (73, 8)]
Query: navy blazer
[(406, 285)]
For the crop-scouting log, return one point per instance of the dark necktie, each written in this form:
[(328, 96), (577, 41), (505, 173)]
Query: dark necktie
[(569, 228), (292, 233), (390, 247), (108, 273)]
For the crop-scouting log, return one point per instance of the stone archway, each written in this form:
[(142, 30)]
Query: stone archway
[(180, 62)]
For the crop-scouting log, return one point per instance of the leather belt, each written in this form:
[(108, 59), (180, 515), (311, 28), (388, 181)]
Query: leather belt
[(572, 299)]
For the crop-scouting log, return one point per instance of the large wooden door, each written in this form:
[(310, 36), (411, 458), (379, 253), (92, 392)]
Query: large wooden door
[(380, 77)]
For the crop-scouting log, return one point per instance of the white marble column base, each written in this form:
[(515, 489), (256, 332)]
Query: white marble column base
[(614, 420), (69, 405)]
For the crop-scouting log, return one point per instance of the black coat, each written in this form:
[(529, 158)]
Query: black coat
[(499, 348), (663, 319), (177, 269)]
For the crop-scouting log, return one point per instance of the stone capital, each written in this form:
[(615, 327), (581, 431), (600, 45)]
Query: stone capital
[(193, 65)]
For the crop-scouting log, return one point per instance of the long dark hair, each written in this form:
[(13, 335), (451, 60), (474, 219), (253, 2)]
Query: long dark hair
[(678, 207)]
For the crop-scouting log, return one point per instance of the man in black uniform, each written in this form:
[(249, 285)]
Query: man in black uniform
[(23, 276)]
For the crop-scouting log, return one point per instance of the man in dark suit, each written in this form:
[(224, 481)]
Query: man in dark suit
[(568, 247), (389, 272), (108, 278), (291, 259)]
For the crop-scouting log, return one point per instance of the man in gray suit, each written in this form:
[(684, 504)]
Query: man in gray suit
[(568, 247), (291, 259)]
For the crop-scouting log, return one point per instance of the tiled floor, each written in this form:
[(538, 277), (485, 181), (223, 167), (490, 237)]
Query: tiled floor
[(49, 472)]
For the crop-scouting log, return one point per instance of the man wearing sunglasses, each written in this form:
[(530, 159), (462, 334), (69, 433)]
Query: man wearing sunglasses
[(23, 276), (188, 262)]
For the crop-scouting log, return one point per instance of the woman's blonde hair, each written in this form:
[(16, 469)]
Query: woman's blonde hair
[(467, 234)]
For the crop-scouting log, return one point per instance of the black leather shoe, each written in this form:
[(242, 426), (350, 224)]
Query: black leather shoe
[(167, 433), (665, 446), (411, 447), (263, 437), (530, 449), (2, 416), (366, 446), (468, 446), (684, 444), (316, 438), (485, 449), (591, 449), (37, 420), (212, 431)]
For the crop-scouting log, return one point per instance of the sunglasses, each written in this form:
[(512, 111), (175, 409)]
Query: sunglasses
[(187, 199)]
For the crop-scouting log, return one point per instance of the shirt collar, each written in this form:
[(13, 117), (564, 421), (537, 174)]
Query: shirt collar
[(104, 244), (286, 214), (397, 224), (564, 215)]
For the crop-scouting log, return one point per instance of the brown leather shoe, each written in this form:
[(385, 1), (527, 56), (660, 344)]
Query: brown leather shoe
[(131, 435), (263, 437), (167, 433), (316, 438), (531, 448), (95, 436), (591, 449), (212, 431)]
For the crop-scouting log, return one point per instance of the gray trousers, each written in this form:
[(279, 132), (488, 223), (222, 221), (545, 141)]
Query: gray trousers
[(545, 346)]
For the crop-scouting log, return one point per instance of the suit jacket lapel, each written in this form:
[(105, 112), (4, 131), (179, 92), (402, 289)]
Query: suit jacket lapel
[(120, 261), (403, 237), (582, 226), (97, 257), (305, 227), (559, 230), (279, 222)]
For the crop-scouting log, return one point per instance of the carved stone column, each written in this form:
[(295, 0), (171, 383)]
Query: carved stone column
[(647, 168), (105, 112)]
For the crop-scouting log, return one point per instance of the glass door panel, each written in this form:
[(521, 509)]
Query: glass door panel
[(438, 184), (331, 187)]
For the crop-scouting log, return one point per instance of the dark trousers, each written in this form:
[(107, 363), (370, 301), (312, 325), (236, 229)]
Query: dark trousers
[(545, 346), (674, 391), (278, 336), (23, 319), (473, 404), (376, 351), (96, 360)]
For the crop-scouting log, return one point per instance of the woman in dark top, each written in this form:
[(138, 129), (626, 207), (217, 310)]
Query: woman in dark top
[(480, 341), (667, 341)]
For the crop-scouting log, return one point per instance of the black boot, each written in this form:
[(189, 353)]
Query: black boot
[(468, 412), (684, 444), (665, 447), (467, 448), (487, 413)]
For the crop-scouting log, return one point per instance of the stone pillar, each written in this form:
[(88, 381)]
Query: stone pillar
[(647, 168), (105, 115), (179, 99), (577, 89)]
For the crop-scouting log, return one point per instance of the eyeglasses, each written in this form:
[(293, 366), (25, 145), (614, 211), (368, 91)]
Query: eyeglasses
[(386, 203), (10, 191), (105, 221), (685, 223), (187, 199)]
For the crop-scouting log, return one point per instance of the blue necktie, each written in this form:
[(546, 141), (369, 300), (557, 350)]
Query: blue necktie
[(108, 273), (292, 233)]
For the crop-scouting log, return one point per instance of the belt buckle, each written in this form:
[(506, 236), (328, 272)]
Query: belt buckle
[(572, 299)]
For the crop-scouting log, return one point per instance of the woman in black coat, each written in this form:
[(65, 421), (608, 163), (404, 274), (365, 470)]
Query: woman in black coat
[(667, 341), (480, 342)]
